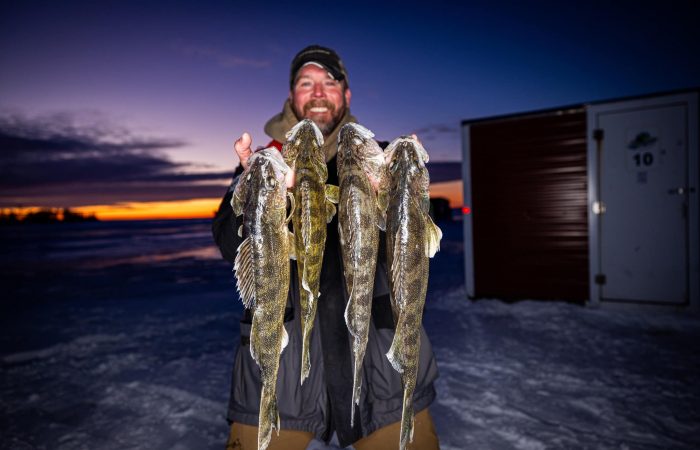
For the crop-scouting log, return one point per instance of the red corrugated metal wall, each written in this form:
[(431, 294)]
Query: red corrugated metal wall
[(529, 200)]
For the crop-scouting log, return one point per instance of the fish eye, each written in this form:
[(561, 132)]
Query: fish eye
[(270, 183)]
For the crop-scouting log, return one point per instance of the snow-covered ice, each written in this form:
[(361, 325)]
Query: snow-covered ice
[(121, 335)]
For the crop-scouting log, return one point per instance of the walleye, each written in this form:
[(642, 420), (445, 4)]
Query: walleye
[(411, 238), (262, 272), (360, 159), (314, 199)]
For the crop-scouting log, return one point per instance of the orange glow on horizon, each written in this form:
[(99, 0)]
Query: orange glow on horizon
[(451, 190), (204, 208), (199, 208)]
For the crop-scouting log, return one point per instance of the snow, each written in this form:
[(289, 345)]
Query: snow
[(121, 335)]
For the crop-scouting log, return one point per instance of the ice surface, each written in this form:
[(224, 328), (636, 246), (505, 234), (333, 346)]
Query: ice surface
[(118, 336)]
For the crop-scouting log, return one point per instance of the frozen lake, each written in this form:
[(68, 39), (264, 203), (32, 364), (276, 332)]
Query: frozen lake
[(121, 335)]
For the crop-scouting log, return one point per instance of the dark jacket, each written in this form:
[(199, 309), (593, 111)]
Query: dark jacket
[(322, 404)]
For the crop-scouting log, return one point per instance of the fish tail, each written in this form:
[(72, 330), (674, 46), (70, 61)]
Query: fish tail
[(269, 417), (305, 298), (407, 418), (356, 385), (306, 325), (305, 357)]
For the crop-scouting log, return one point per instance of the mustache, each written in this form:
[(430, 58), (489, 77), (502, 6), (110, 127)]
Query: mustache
[(319, 102)]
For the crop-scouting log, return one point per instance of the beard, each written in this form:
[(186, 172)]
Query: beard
[(324, 123)]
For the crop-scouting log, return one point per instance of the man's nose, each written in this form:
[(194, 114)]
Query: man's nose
[(318, 90)]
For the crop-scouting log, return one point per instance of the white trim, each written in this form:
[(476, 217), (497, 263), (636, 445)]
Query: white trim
[(593, 239), (467, 218), (694, 200)]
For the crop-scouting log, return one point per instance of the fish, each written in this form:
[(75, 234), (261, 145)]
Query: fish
[(262, 271), (315, 200), (412, 239), (360, 164)]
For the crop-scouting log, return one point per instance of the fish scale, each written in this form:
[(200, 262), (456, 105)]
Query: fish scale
[(262, 272), (412, 238), (314, 209), (358, 225)]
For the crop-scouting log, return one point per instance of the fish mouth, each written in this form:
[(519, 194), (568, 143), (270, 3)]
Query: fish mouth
[(355, 132)]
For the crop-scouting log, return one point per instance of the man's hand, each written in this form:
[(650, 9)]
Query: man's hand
[(290, 179), (243, 150)]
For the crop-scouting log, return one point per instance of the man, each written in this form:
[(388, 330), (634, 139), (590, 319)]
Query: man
[(319, 91)]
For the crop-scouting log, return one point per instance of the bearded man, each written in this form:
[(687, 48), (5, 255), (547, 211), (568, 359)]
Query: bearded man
[(318, 411)]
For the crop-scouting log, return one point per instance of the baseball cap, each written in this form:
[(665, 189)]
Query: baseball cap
[(320, 56)]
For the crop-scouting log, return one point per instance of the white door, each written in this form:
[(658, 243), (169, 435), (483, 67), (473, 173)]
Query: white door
[(643, 189)]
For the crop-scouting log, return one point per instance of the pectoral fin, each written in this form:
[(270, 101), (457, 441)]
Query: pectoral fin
[(292, 205), (285, 339), (332, 193), (330, 211), (433, 236), (245, 276)]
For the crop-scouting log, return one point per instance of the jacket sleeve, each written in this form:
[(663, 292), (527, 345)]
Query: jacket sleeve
[(224, 226)]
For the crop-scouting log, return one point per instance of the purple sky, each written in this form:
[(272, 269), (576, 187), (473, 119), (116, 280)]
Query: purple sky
[(138, 91)]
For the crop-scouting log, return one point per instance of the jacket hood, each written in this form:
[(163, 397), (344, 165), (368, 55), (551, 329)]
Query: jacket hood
[(278, 126)]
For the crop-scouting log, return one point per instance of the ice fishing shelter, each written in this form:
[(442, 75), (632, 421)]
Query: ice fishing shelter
[(594, 203)]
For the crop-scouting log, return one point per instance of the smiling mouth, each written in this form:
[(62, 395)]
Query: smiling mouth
[(319, 106)]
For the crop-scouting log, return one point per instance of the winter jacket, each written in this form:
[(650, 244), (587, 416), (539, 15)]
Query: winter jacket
[(322, 404)]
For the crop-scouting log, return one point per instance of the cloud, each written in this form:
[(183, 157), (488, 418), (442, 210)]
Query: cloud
[(62, 160), (444, 171), (430, 132), (107, 194), (51, 158), (221, 57)]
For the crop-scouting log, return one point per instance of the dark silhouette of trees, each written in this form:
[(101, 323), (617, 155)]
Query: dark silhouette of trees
[(44, 215)]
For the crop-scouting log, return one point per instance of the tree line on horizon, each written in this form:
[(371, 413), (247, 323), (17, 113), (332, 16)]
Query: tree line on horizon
[(44, 215)]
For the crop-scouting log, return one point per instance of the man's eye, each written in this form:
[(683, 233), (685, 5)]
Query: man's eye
[(331, 83), (304, 84)]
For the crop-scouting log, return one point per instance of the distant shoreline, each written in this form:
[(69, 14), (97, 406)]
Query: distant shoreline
[(45, 216)]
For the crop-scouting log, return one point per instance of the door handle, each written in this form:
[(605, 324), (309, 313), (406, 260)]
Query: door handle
[(680, 190)]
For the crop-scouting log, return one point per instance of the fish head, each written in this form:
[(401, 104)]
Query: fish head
[(265, 178), (357, 143), (352, 138), (405, 158), (304, 141)]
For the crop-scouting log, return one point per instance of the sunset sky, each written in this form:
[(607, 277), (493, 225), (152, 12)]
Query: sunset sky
[(129, 109)]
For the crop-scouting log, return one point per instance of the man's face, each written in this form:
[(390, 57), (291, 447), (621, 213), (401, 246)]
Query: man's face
[(319, 97)]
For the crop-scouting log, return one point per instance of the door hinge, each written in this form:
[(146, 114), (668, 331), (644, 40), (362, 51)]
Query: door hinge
[(600, 279), (598, 134)]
